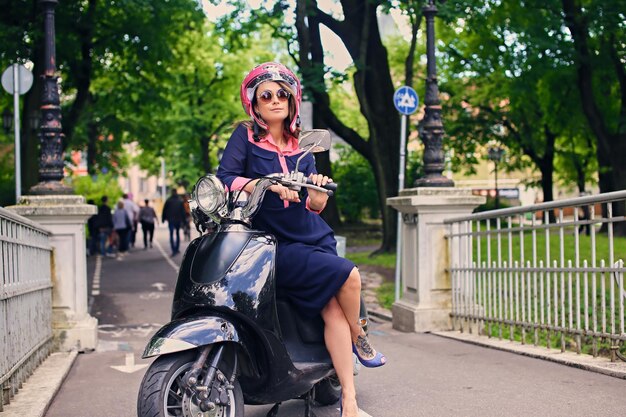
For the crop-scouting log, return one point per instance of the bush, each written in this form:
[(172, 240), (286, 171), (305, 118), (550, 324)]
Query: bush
[(490, 204), (358, 196), (94, 189)]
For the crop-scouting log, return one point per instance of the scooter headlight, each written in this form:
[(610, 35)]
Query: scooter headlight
[(210, 194)]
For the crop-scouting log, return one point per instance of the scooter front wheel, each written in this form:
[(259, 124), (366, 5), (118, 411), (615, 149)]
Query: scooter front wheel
[(164, 394)]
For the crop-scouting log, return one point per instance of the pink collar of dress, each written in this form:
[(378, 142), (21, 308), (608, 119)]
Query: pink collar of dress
[(268, 144)]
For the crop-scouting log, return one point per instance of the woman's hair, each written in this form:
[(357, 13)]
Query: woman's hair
[(292, 114)]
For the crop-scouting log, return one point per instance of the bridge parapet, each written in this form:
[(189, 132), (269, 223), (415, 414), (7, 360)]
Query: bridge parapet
[(549, 274), (25, 300)]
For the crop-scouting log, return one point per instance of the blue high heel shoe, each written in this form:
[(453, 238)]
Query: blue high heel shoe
[(376, 361)]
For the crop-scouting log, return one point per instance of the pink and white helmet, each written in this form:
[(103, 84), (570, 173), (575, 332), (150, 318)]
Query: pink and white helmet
[(270, 71)]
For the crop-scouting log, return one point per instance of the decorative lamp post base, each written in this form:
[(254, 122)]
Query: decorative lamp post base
[(436, 181), (50, 188)]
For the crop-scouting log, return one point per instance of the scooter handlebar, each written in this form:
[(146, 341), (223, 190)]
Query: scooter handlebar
[(330, 188)]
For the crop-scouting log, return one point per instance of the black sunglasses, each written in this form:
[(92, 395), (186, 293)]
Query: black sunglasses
[(281, 95)]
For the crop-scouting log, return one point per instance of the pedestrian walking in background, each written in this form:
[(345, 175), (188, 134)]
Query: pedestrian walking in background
[(147, 218), (104, 225), (174, 214), (187, 221), (92, 228), (122, 226), (133, 214)]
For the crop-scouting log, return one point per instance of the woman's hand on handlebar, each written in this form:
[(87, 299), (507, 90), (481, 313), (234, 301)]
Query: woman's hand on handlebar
[(285, 193), (318, 198)]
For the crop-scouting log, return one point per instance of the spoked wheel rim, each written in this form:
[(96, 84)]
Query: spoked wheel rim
[(178, 403)]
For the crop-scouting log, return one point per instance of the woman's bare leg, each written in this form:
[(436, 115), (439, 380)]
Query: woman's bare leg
[(349, 298), (338, 342)]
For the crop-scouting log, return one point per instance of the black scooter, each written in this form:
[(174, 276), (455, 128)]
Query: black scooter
[(231, 341)]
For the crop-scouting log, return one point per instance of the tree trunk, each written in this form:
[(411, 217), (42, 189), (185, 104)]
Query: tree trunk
[(204, 152), (83, 73), (322, 163), (374, 88), (618, 163), (92, 147), (30, 137), (611, 147)]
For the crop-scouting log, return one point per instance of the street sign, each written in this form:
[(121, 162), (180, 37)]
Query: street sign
[(24, 77), (406, 100)]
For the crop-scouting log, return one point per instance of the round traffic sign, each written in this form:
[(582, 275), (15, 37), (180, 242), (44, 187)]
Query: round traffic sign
[(406, 100), (24, 79)]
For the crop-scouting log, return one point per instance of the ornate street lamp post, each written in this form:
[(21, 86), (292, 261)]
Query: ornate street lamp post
[(50, 133), (431, 128), (495, 154)]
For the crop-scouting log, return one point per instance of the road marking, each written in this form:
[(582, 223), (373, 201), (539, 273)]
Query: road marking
[(167, 258), (129, 365), (97, 272), (155, 295), (159, 286), (95, 284)]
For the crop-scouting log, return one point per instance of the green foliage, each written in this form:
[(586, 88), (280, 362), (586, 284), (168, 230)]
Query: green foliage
[(490, 204), (7, 173), (386, 294), (509, 79), (358, 197), (386, 260), (94, 189)]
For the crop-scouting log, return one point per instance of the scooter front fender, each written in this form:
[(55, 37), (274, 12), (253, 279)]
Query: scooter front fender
[(189, 333)]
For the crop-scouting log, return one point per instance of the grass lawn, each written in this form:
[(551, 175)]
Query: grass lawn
[(554, 247)]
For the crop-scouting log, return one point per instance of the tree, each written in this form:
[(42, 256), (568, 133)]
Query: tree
[(123, 40), (597, 31), (373, 86), (507, 75)]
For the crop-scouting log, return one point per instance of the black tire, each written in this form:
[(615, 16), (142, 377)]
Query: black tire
[(327, 391), (164, 377)]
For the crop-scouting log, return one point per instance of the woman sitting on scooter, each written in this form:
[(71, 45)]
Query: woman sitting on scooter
[(308, 270)]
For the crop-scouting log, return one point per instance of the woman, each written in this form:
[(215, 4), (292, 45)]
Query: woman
[(308, 270)]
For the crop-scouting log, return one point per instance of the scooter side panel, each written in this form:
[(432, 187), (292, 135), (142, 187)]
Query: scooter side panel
[(233, 271)]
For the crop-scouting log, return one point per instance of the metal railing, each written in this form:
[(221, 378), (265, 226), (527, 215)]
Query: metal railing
[(25, 300), (549, 274)]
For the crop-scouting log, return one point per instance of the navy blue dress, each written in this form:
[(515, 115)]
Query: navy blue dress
[(308, 270)]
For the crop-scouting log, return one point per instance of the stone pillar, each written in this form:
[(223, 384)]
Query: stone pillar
[(65, 216), (426, 300)]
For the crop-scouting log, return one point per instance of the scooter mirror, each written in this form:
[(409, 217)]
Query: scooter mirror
[(315, 140)]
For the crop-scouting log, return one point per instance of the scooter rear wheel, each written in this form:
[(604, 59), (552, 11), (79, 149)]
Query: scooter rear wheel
[(162, 393)]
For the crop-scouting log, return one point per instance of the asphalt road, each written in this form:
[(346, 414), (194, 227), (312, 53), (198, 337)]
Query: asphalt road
[(426, 375)]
